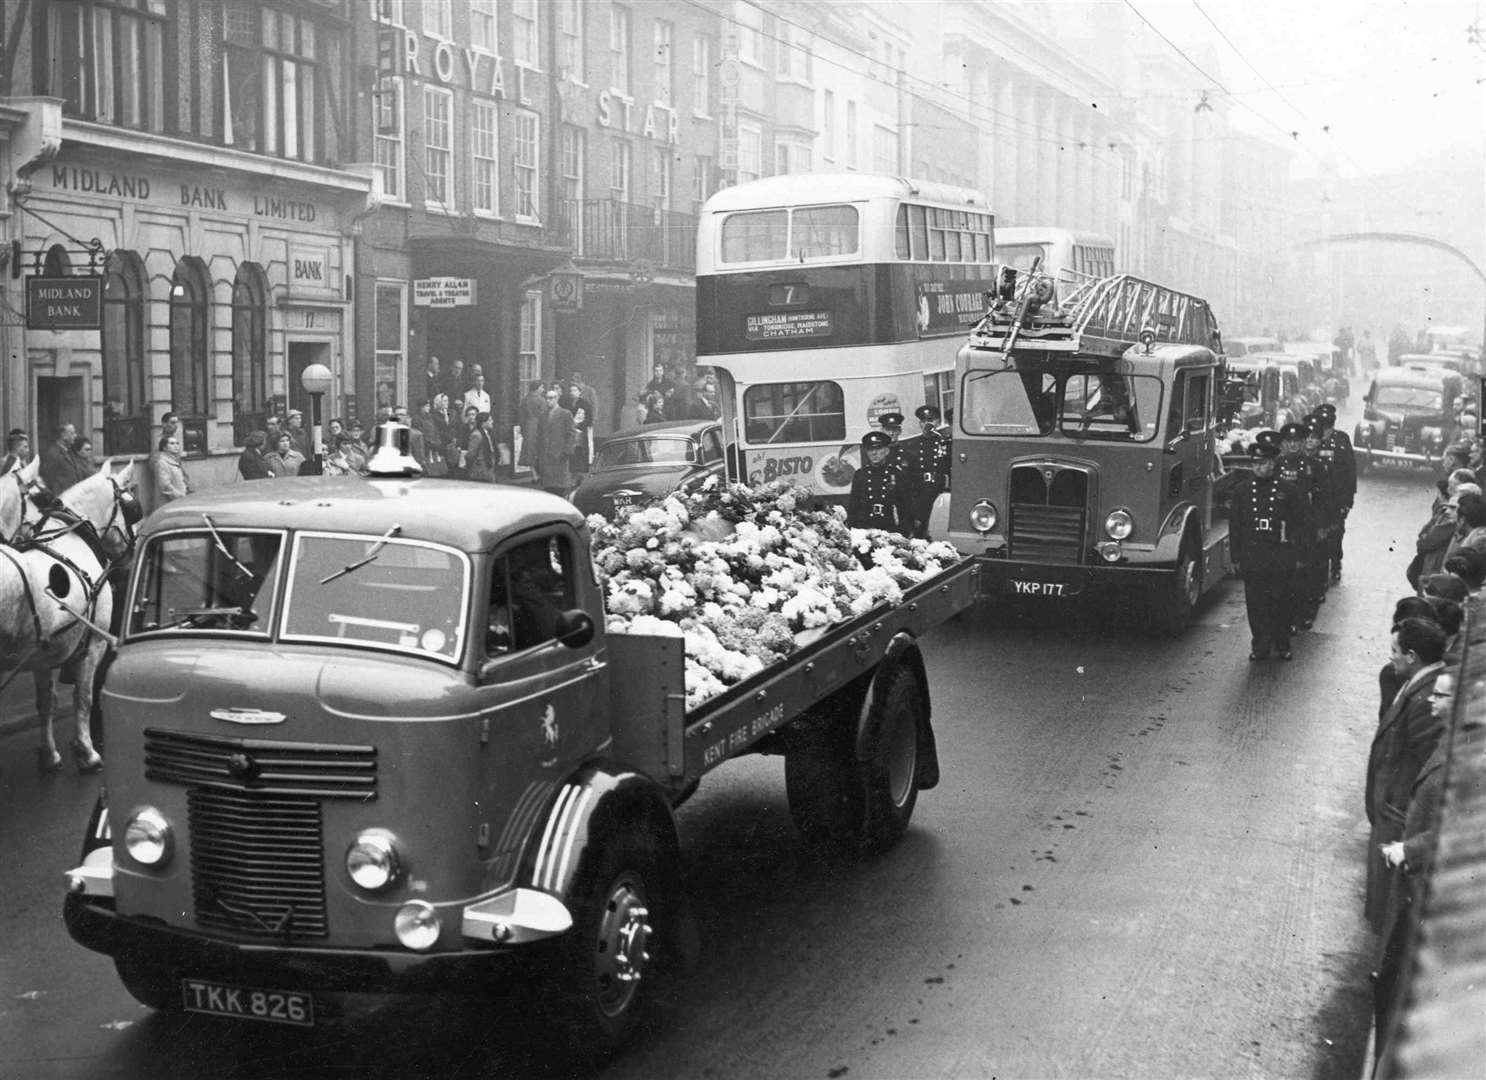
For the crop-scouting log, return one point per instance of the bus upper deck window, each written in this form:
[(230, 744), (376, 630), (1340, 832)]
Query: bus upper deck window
[(755, 236), (817, 231)]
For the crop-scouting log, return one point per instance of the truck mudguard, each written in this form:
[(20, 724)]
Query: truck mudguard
[(1169, 541), (901, 651), (589, 806)]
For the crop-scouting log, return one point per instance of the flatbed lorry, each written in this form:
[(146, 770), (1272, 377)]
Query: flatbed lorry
[(371, 735)]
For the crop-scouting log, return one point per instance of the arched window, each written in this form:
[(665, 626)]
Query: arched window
[(126, 418), (57, 262), (190, 339), (249, 351)]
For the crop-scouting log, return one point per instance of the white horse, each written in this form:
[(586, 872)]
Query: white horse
[(56, 604)]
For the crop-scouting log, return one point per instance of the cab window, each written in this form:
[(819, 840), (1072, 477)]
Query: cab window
[(711, 446), (530, 586)]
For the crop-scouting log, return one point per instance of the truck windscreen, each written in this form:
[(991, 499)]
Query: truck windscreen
[(1106, 405)]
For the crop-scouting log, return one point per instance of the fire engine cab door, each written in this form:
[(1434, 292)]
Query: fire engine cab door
[(1190, 458)]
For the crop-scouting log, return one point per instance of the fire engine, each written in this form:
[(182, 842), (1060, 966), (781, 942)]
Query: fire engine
[(1085, 450)]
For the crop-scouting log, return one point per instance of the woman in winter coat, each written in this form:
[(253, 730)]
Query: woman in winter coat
[(582, 410), (482, 456), (171, 481), (285, 460)]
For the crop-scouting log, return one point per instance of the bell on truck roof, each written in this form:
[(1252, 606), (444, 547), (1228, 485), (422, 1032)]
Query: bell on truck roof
[(393, 456)]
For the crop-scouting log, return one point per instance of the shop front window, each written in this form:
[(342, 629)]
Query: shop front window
[(126, 419)]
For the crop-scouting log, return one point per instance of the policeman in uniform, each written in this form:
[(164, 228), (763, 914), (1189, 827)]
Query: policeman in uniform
[(892, 424), (924, 462), (1267, 515), (876, 500), (1336, 451), (1305, 472)]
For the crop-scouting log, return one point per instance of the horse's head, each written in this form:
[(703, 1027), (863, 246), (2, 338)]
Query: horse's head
[(107, 502), (16, 490)]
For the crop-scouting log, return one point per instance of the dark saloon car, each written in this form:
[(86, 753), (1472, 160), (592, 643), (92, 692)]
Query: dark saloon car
[(1409, 417), (636, 466)]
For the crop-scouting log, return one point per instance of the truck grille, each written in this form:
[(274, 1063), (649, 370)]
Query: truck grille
[(257, 864), (1048, 515), (261, 765)]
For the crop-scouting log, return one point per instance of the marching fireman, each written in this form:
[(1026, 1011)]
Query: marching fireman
[(1326, 511), (924, 462), (1267, 515), (1295, 466), (892, 424), (876, 500), (1336, 451)]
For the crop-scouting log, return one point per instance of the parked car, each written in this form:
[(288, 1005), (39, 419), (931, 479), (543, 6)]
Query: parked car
[(638, 465), (1242, 346), (1463, 364), (1409, 416), (1258, 393), (1331, 369)]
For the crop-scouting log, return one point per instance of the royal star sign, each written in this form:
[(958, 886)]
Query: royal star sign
[(443, 292)]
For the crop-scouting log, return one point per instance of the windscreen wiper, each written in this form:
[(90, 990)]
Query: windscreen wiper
[(371, 556), (217, 539), (185, 616)]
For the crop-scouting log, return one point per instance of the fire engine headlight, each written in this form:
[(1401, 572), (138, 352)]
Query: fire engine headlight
[(983, 516), (1119, 524), (147, 837), (372, 861), (417, 925)]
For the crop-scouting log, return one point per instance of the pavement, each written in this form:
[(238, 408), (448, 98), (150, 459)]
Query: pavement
[(18, 705)]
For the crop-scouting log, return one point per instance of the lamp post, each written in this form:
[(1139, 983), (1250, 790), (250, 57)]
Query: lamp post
[(316, 380)]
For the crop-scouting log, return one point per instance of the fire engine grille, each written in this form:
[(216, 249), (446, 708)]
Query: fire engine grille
[(1048, 513), (256, 864), (261, 765)]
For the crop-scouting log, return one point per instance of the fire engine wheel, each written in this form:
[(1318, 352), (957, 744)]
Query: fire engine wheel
[(844, 805), (151, 986), (616, 954), (1180, 593)]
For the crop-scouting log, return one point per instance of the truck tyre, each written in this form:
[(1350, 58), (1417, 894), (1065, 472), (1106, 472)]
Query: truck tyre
[(845, 805), (626, 924), (1178, 595), (151, 986)]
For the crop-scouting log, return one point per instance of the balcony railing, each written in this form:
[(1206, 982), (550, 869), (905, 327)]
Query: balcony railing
[(607, 230)]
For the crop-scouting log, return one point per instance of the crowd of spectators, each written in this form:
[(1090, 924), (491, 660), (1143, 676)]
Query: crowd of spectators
[(1417, 686)]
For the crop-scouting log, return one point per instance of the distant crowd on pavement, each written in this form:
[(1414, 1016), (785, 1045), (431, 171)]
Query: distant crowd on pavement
[(1417, 686)]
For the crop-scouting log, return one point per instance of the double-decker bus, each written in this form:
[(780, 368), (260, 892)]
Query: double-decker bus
[(825, 301), (1069, 257)]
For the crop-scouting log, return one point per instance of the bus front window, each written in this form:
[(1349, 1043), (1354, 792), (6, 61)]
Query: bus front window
[(793, 413)]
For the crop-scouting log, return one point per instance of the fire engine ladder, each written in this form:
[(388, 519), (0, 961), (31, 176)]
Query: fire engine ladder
[(1101, 317)]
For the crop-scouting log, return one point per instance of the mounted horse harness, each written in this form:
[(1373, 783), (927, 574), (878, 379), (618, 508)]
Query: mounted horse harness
[(55, 522)]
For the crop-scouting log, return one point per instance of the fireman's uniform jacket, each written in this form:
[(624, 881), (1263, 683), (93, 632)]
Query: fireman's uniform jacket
[(1336, 452), (877, 499), (1310, 477), (1267, 517), (924, 463)]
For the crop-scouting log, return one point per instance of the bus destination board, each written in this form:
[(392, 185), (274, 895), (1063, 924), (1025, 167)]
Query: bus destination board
[(775, 325)]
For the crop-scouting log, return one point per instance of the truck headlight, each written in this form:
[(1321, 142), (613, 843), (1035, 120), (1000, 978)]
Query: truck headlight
[(147, 837), (983, 516), (1119, 524), (416, 925), (1432, 434), (372, 861)]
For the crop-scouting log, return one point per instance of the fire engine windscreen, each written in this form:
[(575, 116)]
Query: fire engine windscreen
[(1030, 401)]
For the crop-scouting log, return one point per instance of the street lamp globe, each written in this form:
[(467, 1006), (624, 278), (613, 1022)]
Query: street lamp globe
[(316, 380)]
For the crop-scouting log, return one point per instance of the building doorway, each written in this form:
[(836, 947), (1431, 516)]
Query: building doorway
[(60, 400)]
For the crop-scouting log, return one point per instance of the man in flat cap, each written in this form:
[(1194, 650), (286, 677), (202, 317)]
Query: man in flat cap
[(1267, 515), (924, 462), (876, 500)]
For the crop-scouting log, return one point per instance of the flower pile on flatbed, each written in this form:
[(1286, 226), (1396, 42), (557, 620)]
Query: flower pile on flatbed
[(748, 575)]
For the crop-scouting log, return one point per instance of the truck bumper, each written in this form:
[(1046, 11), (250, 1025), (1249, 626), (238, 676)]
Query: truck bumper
[(1055, 581), (94, 924)]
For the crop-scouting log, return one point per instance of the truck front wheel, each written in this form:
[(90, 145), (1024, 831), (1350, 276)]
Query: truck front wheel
[(625, 922), (151, 986), (1178, 595)]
